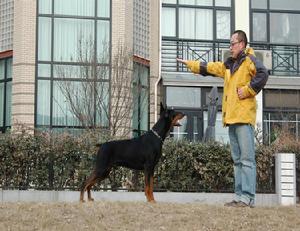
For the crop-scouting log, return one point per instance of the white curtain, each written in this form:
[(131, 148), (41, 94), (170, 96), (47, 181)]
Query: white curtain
[(225, 3), (168, 22), (195, 23), (169, 1), (45, 6), (44, 40), (62, 113), (43, 102), (103, 8), (103, 41), (187, 23), (196, 2), (75, 7), (204, 24), (72, 36)]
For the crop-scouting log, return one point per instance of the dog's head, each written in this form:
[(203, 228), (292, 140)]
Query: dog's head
[(171, 116)]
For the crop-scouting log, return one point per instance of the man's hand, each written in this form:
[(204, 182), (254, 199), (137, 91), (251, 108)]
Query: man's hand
[(181, 61), (241, 94)]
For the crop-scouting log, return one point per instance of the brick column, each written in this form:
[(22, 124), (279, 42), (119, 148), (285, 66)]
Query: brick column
[(23, 84)]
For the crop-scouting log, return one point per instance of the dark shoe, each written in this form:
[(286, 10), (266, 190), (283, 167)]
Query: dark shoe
[(231, 203), (241, 204)]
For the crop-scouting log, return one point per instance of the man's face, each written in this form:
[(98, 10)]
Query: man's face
[(236, 46)]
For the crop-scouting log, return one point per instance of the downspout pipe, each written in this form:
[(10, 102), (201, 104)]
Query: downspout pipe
[(159, 65)]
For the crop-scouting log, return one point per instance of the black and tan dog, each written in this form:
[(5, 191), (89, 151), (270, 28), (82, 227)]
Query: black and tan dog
[(140, 153)]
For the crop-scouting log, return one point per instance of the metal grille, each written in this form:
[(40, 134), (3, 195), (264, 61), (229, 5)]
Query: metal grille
[(6, 24)]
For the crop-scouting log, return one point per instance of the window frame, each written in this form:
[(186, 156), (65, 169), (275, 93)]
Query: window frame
[(213, 7), (276, 109), (268, 13), (52, 16), (4, 126)]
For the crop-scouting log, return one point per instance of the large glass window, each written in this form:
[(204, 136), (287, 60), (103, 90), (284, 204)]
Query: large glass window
[(140, 118), (5, 93), (195, 103), (281, 113), (275, 21), (274, 26), (197, 19), (73, 63), (194, 29)]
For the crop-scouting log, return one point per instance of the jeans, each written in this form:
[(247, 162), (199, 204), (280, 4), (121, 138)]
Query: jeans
[(243, 154)]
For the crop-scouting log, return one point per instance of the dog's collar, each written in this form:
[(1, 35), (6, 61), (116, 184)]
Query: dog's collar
[(156, 134)]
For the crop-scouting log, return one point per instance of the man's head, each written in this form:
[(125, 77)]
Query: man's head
[(238, 42)]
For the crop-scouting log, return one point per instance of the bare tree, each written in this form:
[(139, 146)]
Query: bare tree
[(98, 94)]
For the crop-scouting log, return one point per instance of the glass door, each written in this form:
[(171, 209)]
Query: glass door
[(191, 128)]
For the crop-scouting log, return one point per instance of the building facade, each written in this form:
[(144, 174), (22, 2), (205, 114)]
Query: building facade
[(48, 46), (61, 62), (201, 30)]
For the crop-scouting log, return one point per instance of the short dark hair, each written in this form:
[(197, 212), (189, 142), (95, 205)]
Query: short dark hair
[(241, 36)]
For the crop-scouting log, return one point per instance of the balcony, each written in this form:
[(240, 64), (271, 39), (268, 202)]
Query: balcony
[(285, 58)]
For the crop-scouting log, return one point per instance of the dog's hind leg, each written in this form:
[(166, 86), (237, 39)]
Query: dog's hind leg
[(151, 189), (91, 181), (87, 186), (99, 177)]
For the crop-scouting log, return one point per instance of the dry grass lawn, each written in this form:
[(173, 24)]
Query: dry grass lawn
[(101, 215)]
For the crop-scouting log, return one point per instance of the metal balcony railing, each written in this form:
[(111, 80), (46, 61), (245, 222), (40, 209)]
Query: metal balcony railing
[(285, 58)]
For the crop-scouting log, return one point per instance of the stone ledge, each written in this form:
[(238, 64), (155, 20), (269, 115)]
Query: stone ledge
[(170, 197)]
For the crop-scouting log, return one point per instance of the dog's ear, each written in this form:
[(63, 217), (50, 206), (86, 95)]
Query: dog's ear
[(162, 109)]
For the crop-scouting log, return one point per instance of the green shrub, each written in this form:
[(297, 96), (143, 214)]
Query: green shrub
[(63, 161)]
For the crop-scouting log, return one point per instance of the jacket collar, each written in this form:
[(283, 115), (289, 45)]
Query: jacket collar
[(234, 64)]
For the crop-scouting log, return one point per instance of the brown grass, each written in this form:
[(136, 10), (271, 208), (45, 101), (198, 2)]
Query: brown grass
[(144, 216)]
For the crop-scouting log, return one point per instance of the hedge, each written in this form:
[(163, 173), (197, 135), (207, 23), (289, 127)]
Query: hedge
[(62, 161)]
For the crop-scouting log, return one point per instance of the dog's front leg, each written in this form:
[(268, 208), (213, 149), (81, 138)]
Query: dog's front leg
[(149, 186)]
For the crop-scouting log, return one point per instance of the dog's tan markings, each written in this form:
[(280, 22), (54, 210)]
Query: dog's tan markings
[(176, 118)]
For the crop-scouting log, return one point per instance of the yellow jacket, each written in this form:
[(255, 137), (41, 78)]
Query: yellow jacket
[(245, 72)]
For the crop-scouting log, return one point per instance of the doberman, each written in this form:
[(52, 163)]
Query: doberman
[(141, 153)]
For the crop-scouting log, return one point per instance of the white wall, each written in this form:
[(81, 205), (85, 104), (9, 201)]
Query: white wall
[(242, 16)]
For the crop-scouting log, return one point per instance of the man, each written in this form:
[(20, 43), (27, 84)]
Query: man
[(244, 76)]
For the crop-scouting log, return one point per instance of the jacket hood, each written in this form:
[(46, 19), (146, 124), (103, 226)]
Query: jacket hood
[(249, 51)]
